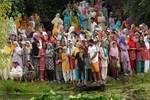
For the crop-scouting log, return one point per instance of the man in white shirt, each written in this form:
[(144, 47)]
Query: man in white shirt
[(94, 61), (16, 71), (93, 25)]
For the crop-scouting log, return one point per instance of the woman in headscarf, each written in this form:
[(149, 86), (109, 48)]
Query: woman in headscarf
[(75, 69), (132, 51), (17, 54), (101, 20), (66, 19), (140, 45), (104, 61), (49, 54), (56, 21), (42, 62), (74, 19), (117, 24), (98, 4), (26, 52), (125, 61), (65, 64), (147, 53), (114, 59)]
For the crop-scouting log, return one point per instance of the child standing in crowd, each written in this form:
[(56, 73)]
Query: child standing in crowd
[(42, 62), (93, 60), (58, 64), (71, 58), (29, 74)]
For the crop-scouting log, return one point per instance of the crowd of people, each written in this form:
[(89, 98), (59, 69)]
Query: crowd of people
[(87, 44)]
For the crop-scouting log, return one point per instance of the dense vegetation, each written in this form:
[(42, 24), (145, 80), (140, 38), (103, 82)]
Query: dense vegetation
[(5, 28), (138, 10)]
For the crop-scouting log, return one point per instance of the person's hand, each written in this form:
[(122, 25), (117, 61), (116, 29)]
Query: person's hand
[(32, 67)]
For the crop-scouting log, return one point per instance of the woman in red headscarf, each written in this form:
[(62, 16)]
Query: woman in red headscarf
[(132, 52)]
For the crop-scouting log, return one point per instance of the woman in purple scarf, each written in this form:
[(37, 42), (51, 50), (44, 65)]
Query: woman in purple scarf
[(125, 61)]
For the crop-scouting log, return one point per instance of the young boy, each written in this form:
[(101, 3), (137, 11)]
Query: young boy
[(29, 73), (93, 60)]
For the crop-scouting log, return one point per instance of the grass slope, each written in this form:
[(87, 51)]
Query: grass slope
[(137, 89)]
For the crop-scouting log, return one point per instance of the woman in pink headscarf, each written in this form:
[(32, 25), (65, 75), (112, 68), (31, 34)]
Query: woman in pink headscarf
[(98, 5), (114, 59)]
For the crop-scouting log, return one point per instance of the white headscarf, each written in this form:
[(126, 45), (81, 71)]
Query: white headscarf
[(146, 42)]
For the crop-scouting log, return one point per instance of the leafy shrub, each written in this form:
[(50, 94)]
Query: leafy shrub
[(53, 96)]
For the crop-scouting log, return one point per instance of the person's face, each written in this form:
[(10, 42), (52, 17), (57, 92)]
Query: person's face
[(58, 43), (44, 46), (90, 44), (141, 38), (114, 45), (60, 50), (14, 65), (23, 45), (27, 45), (14, 37), (81, 51), (9, 44), (92, 20), (45, 37), (40, 29), (86, 44), (70, 45)]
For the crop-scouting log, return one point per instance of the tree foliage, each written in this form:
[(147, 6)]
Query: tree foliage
[(138, 10), (45, 8), (5, 28)]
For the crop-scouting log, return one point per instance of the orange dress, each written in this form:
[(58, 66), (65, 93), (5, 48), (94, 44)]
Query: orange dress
[(65, 62)]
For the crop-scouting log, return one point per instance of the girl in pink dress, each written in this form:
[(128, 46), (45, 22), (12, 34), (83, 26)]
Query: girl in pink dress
[(42, 62)]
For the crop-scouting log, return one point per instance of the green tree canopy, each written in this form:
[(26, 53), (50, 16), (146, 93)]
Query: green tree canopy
[(5, 28)]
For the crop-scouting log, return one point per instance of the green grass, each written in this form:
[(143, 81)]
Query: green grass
[(138, 88)]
